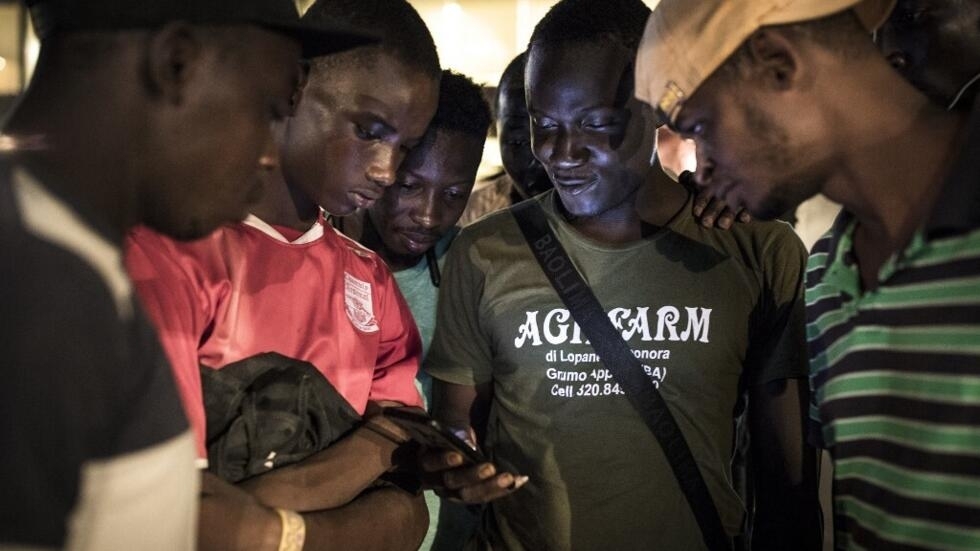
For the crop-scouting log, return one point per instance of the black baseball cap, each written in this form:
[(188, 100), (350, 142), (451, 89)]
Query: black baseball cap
[(317, 37)]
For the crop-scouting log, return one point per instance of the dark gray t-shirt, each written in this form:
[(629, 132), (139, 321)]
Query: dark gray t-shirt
[(704, 310)]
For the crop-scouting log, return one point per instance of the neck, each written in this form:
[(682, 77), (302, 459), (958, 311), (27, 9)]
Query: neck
[(284, 205), (895, 160), (73, 148)]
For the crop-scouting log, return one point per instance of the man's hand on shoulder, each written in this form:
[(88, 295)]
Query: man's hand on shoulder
[(709, 210)]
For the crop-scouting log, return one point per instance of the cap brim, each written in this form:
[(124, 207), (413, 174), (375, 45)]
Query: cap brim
[(325, 38)]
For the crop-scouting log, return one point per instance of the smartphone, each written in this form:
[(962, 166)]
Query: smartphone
[(431, 433)]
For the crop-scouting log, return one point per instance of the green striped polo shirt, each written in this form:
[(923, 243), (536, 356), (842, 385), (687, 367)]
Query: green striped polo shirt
[(895, 374)]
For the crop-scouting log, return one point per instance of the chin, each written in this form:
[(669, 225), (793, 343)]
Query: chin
[(338, 210), (190, 231)]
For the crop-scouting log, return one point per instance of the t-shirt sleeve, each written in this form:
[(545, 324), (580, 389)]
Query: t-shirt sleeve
[(777, 349), (85, 384), (399, 349), (170, 292), (460, 352)]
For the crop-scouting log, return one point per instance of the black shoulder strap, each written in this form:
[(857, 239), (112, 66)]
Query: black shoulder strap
[(617, 356)]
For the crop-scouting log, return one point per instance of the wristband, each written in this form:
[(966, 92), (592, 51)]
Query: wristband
[(293, 530)]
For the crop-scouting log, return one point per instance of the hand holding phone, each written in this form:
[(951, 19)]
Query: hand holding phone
[(432, 434)]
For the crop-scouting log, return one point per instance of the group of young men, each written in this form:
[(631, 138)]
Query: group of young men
[(261, 178)]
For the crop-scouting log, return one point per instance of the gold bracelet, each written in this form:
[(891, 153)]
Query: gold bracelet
[(293, 530)]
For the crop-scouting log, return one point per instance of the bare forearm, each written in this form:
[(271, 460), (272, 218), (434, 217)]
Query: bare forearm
[(785, 470), (386, 519), (328, 479), (383, 519)]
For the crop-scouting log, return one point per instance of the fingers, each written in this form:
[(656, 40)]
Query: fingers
[(433, 462), (713, 211), (471, 483), (701, 201), (480, 483)]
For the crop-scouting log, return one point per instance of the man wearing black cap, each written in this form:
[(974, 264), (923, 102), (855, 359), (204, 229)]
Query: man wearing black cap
[(155, 113)]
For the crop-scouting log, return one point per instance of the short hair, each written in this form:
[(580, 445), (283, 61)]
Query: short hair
[(403, 32), (622, 21), (513, 74), (462, 107)]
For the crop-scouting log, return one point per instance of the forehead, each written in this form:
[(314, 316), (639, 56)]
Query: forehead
[(576, 73), (377, 81), (450, 158), (511, 102)]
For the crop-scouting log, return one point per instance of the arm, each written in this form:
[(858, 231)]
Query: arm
[(173, 290), (784, 468), (330, 478), (232, 519)]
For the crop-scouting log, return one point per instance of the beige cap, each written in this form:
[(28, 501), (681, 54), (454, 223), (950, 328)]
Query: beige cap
[(687, 40)]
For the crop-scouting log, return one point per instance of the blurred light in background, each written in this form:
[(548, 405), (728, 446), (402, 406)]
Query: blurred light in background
[(479, 37)]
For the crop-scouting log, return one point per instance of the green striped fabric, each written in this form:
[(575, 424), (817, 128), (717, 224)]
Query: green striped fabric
[(895, 375)]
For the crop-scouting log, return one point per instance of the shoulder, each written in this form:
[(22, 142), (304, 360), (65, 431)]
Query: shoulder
[(355, 258), (496, 226), (758, 245), (150, 254)]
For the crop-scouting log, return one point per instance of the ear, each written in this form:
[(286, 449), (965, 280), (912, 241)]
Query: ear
[(302, 78), (173, 55), (775, 58)]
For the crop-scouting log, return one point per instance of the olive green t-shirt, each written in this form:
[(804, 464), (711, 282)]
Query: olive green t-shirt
[(704, 310)]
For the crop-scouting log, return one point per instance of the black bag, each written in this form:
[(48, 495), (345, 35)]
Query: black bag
[(269, 411)]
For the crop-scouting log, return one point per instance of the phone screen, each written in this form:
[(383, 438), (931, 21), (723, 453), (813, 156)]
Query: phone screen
[(429, 432)]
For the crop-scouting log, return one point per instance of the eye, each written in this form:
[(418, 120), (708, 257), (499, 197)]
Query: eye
[(599, 124), (364, 133), (543, 123), (455, 194), (408, 187), (690, 131)]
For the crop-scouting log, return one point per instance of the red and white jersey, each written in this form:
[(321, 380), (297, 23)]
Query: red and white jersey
[(246, 289)]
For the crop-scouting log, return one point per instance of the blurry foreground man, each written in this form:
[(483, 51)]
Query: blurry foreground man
[(788, 99), (150, 113)]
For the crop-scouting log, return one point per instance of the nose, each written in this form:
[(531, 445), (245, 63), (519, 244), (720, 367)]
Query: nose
[(568, 150), (426, 212), (383, 167)]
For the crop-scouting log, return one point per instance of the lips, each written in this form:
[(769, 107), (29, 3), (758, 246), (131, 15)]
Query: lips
[(418, 241), (574, 184), (364, 198)]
